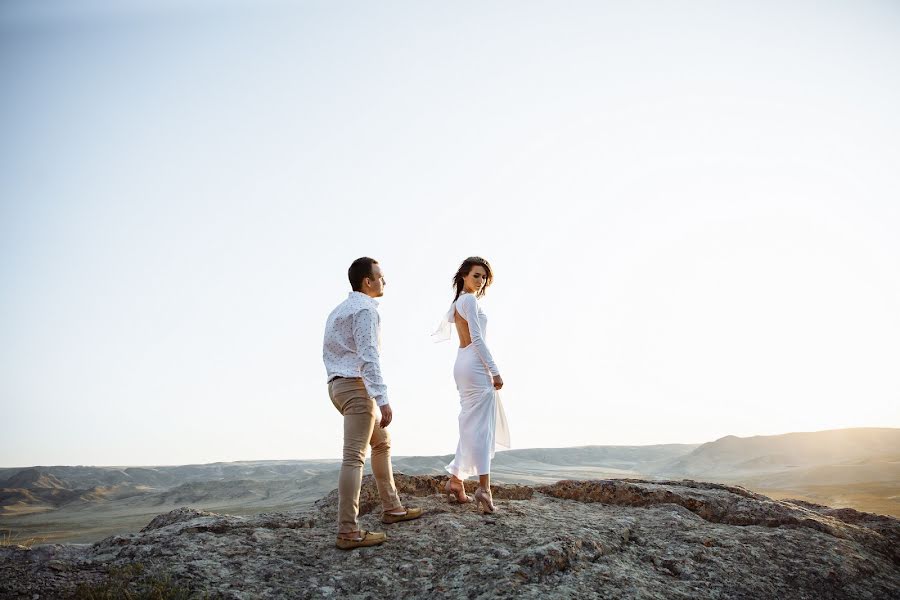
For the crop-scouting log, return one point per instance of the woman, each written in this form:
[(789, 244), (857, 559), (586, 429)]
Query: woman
[(482, 421)]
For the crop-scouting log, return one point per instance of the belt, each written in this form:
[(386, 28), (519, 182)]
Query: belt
[(336, 377)]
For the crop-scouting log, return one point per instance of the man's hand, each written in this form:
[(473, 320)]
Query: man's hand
[(386, 415)]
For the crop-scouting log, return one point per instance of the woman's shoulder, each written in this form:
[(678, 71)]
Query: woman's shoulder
[(467, 299), (468, 302)]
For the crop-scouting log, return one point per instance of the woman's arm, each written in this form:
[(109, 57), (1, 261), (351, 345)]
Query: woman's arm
[(467, 307)]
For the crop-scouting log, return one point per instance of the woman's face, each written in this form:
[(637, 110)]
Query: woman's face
[(474, 281)]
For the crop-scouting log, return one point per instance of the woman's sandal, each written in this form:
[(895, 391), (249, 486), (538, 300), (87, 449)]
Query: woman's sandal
[(484, 498), (453, 493)]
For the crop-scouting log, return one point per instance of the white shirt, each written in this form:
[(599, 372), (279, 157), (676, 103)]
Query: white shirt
[(352, 344)]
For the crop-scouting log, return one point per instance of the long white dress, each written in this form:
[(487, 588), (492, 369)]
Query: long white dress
[(482, 420)]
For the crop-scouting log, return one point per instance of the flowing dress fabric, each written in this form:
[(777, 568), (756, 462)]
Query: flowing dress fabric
[(482, 420)]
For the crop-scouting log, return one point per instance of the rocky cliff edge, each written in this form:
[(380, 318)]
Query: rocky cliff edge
[(615, 538)]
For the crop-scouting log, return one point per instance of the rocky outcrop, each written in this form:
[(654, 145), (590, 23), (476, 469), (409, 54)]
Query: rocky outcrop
[(419, 486), (736, 506), (594, 539)]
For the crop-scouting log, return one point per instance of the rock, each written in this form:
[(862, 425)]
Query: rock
[(736, 506), (419, 486), (594, 539), (58, 565), (179, 515)]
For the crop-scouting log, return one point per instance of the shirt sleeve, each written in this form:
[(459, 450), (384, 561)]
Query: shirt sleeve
[(468, 310), (365, 334)]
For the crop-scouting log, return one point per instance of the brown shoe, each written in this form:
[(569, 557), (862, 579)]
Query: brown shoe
[(409, 515), (365, 538)]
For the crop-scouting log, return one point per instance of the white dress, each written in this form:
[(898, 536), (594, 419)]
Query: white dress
[(482, 420)]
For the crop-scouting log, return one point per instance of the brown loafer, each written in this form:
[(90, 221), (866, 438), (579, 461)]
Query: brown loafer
[(409, 515), (366, 538)]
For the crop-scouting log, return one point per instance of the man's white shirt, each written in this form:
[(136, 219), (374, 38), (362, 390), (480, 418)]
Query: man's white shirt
[(353, 342)]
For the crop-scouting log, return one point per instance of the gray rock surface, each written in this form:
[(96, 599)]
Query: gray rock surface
[(585, 539)]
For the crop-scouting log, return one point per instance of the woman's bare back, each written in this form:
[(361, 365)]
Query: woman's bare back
[(462, 328)]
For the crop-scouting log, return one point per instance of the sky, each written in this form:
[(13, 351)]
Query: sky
[(692, 210)]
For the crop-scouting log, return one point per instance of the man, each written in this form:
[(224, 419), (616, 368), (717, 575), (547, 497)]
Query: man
[(355, 385)]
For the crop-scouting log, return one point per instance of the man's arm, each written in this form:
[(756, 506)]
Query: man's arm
[(365, 334)]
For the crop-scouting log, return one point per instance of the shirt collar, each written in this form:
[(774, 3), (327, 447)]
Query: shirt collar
[(364, 297)]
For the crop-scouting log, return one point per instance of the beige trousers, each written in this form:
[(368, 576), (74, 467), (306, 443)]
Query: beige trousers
[(352, 400)]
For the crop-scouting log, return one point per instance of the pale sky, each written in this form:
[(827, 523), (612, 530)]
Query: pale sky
[(692, 210)]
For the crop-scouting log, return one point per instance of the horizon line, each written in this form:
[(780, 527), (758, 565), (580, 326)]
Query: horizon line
[(292, 460)]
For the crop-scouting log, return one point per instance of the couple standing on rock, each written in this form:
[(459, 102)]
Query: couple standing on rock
[(355, 385)]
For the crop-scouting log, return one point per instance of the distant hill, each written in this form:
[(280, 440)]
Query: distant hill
[(858, 468), (736, 457), (86, 477), (31, 479)]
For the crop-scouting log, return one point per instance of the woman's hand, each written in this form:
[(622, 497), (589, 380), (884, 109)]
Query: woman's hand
[(498, 382)]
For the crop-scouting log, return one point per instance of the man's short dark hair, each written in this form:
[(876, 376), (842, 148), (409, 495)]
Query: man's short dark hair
[(359, 270)]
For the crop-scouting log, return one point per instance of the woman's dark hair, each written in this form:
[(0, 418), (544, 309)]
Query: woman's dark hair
[(464, 270), (359, 270)]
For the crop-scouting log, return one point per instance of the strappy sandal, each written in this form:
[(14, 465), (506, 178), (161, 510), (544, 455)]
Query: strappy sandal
[(484, 498), (452, 497)]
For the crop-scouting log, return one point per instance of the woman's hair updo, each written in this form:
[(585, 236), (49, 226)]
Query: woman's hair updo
[(464, 270)]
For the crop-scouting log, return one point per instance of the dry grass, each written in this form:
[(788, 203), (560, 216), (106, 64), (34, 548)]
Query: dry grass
[(874, 498), (133, 582), (8, 538)]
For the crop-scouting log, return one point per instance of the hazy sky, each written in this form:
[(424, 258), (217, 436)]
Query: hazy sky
[(692, 209)]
